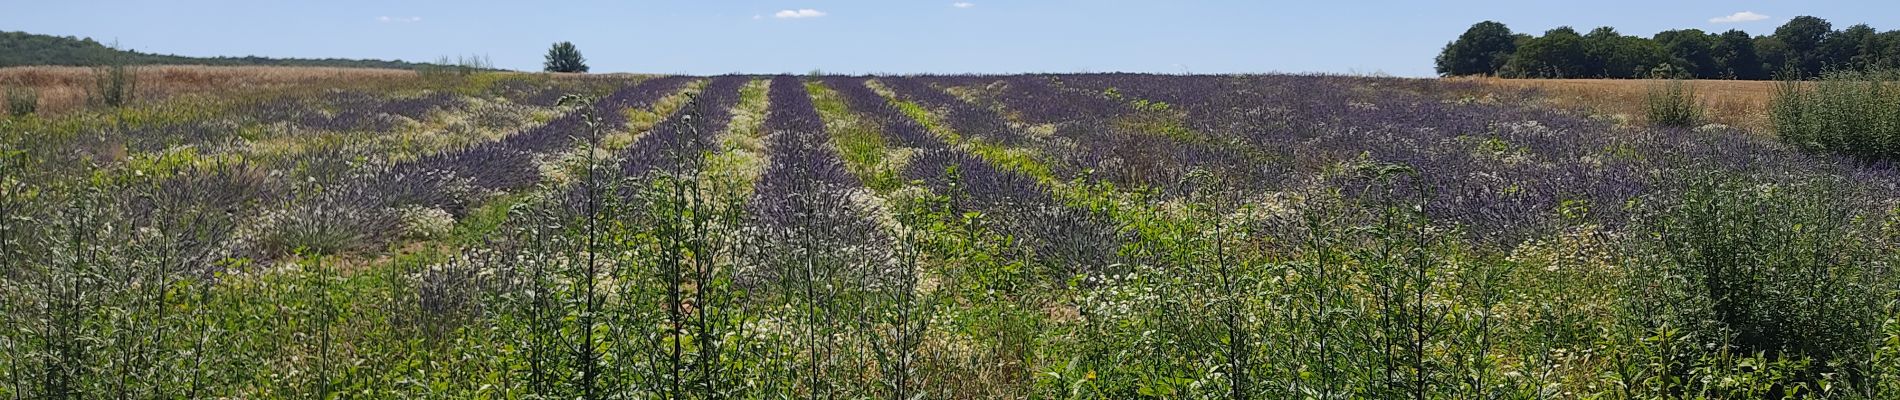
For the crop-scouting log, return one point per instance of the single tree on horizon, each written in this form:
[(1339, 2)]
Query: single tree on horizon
[(1481, 50), (563, 57)]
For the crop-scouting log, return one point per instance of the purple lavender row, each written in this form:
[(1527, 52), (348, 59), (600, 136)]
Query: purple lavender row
[(978, 122), (676, 144), (1502, 170), (299, 111), (521, 91), (370, 204), (1039, 100), (508, 164), (989, 188), (973, 120), (354, 110), (1306, 124), (896, 128), (417, 107), (803, 203), (565, 131), (803, 164), (1091, 134), (1054, 233)]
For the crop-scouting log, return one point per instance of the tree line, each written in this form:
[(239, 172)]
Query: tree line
[(22, 48), (1805, 47), (25, 49)]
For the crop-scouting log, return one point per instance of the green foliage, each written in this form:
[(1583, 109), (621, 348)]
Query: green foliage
[(1800, 43), (1888, 45), (1775, 270), (1851, 113), (1481, 50), (1856, 48), (1692, 50), (1735, 56), (1673, 103), (1806, 47), (563, 57), (1558, 54), (22, 101), (21, 48), (1609, 54)]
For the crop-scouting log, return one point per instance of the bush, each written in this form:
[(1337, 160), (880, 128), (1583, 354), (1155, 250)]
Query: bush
[(1850, 113), (456, 67), (1778, 269), (1674, 104), (22, 101)]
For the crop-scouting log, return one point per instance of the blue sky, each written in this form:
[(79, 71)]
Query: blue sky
[(895, 36)]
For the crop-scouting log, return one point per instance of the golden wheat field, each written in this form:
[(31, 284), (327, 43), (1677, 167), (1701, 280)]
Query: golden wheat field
[(1736, 103)]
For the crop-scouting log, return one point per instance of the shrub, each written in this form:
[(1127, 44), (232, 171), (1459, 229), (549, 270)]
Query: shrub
[(22, 101), (1787, 112), (1772, 268), (1673, 104), (1850, 113), (457, 67)]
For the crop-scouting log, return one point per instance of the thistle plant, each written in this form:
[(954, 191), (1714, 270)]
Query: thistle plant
[(1673, 104)]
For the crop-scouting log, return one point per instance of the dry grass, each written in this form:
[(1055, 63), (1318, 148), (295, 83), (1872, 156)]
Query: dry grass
[(1742, 104), (63, 89)]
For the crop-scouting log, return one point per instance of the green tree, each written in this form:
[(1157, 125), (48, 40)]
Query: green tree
[(1800, 41), (1608, 54), (1856, 48), (1557, 54), (1735, 56), (1774, 55), (1691, 49), (1889, 50), (563, 57), (1481, 50)]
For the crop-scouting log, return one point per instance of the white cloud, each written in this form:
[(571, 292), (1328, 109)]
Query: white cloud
[(1744, 16), (963, 4), (799, 13), (756, 17), (388, 19)]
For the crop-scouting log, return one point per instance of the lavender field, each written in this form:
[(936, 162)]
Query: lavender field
[(1075, 236)]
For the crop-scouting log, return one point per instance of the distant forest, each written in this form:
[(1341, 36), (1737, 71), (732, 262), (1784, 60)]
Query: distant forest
[(1805, 47), (21, 48)]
